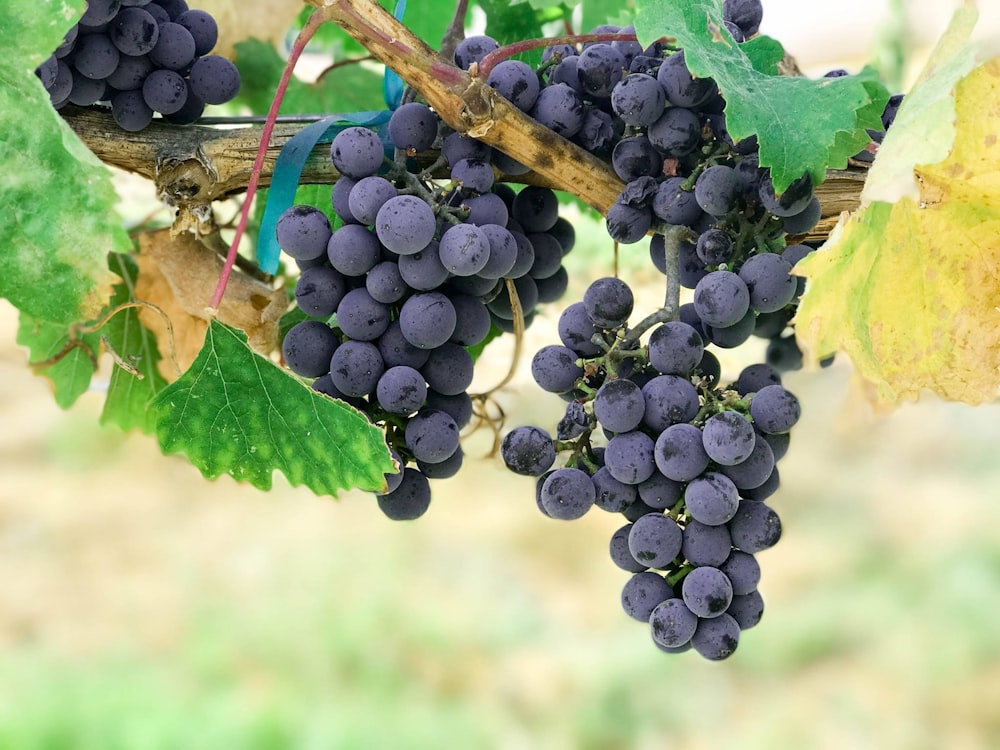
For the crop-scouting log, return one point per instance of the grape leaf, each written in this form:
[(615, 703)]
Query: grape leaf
[(235, 412), (72, 366), (127, 403), (911, 290), (59, 215), (599, 12), (924, 129), (802, 125)]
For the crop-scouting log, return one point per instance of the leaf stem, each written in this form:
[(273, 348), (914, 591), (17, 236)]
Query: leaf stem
[(313, 23)]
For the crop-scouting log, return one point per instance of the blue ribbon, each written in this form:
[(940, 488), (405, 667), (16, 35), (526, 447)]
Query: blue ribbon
[(292, 159)]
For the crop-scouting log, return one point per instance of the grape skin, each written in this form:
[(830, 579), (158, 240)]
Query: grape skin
[(654, 540), (567, 494), (409, 500), (707, 592), (528, 451), (642, 593)]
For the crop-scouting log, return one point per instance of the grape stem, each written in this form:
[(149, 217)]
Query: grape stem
[(310, 28)]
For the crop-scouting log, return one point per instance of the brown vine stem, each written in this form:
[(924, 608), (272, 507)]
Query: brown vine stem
[(507, 51), (468, 105), (309, 29)]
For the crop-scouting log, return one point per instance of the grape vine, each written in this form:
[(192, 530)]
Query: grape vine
[(424, 253)]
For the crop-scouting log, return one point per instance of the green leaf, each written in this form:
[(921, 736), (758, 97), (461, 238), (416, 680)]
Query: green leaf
[(802, 125), (127, 404), (73, 367), (235, 412), (59, 216), (514, 23), (599, 12), (348, 88)]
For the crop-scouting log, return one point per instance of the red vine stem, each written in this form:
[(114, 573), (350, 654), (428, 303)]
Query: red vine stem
[(308, 31), (499, 55)]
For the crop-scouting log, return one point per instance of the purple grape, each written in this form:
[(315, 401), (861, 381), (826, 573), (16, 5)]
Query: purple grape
[(755, 527), (560, 109), (608, 302), (361, 317), (458, 405), (638, 99), (675, 348), (619, 405), (654, 540), (503, 252), (743, 572), (405, 224), (716, 638), (746, 14), (642, 593), (413, 127), (576, 330), (567, 494), (536, 209), (600, 67), (679, 452), (769, 279), (431, 436), (448, 369), (130, 110), (612, 496), (308, 347), (669, 400), (175, 47), (721, 299), (555, 369), (753, 471), (86, 91), (319, 290), (367, 196), (707, 592), (464, 249), (474, 175), (357, 152), (659, 492), (473, 49), (409, 500), (401, 390), (427, 320), (130, 73), (775, 409), (629, 457), (706, 545), (396, 350), (356, 367), (672, 624), (674, 205), (711, 499), (528, 451), (134, 31), (747, 609), (628, 225), (303, 232), (515, 81), (636, 157), (423, 271), (203, 28), (95, 56), (728, 438), (717, 190), (457, 146), (165, 91), (676, 133), (681, 88), (385, 284)]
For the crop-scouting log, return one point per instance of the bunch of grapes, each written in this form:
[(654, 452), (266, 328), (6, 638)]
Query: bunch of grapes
[(141, 56), (416, 272), (688, 463)]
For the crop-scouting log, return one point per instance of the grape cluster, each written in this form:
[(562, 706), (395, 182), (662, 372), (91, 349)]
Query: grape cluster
[(688, 463), (141, 56), (413, 272)]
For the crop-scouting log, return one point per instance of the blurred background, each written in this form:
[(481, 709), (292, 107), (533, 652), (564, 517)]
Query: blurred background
[(144, 607)]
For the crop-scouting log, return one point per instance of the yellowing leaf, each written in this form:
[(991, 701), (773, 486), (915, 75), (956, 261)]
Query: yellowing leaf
[(911, 290), (924, 128)]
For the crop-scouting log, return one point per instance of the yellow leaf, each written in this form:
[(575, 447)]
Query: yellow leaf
[(911, 290)]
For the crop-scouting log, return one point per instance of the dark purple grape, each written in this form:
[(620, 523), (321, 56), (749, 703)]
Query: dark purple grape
[(356, 367), (716, 638), (560, 109), (308, 347), (409, 500), (706, 545), (95, 56), (464, 249), (555, 369), (405, 224), (401, 390), (707, 592), (174, 49), (515, 81), (165, 91), (711, 499), (642, 593), (431, 436), (755, 527), (303, 232), (448, 369), (721, 299), (629, 457), (203, 28), (413, 127), (769, 279), (728, 438), (567, 494), (681, 88), (676, 133), (679, 452), (675, 348), (134, 31), (747, 609), (775, 409), (638, 99), (608, 302), (528, 451), (357, 152), (654, 540), (669, 400), (473, 49), (672, 624), (319, 290), (619, 405), (621, 556), (743, 572)]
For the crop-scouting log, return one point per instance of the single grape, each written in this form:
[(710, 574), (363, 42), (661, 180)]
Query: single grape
[(612, 496), (675, 348), (672, 624), (560, 109), (716, 638), (567, 494), (175, 47), (619, 405), (405, 224), (423, 271), (706, 545), (409, 500), (412, 127), (431, 436), (361, 317), (728, 438), (669, 400), (755, 527), (134, 31), (528, 451), (717, 190), (448, 369), (659, 492), (714, 247), (628, 225), (654, 540), (674, 205), (747, 609), (474, 175), (308, 347), (721, 299), (642, 593), (303, 232), (638, 99), (636, 157), (95, 56), (681, 88), (357, 152), (515, 81), (472, 320), (356, 367), (576, 330), (473, 49), (203, 28), (679, 452), (319, 290), (464, 249), (629, 457), (130, 110), (367, 196), (775, 409), (401, 390), (707, 591), (165, 91), (608, 302), (711, 499), (396, 350), (600, 67), (746, 14), (676, 133), (743, 572), (753, 471), (555, 369)]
